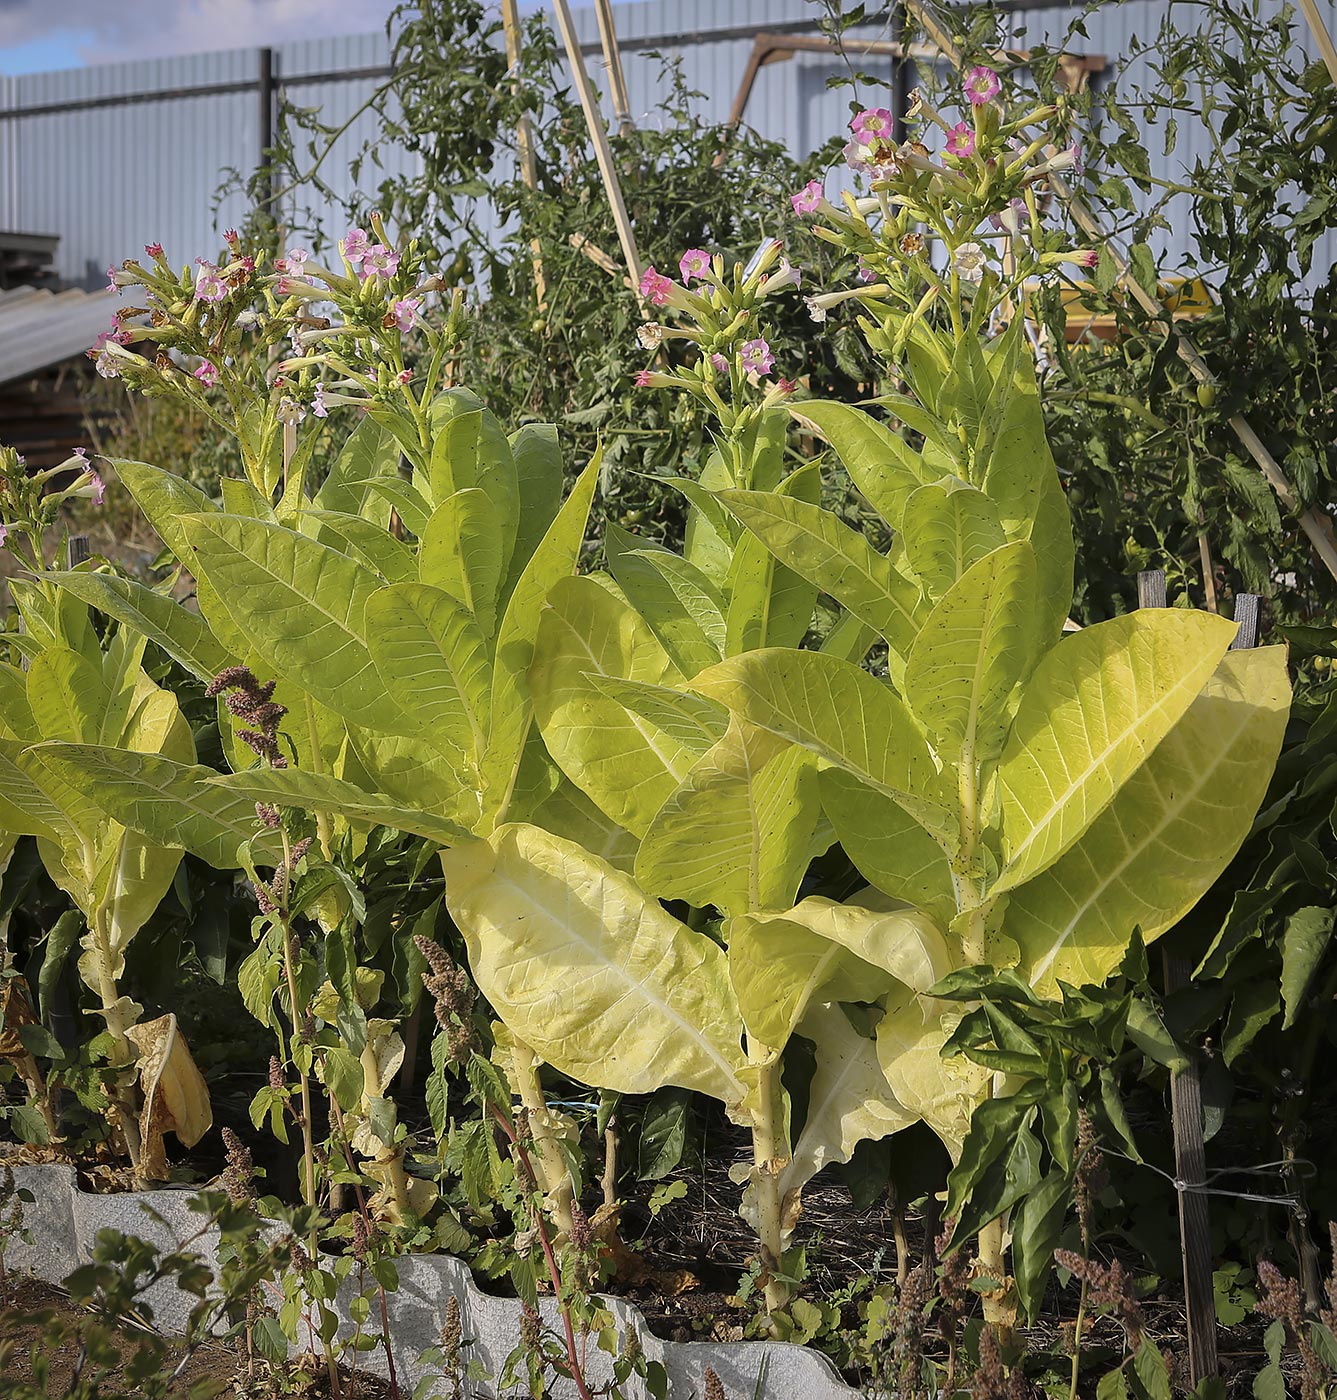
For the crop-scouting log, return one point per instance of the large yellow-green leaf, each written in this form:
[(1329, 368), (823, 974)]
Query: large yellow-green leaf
[(1170, 831), (1023, 482), (568, 813), (16, 716), (182, 634), (842, 714), (692, 720), (302, 606), (779, 966), (849, 1100), (539, 473), (367, 541), (172, 804), (597, 978), (410, 772), (1091, 714), (26, 808), (737, 832), (166, 499), (942, 1092), (318, 792), (838, 560), (626, 765), (650, 588), (947, 529), (461, 552), (131, 880), (432, 659), (977, 643), (68, 695), (470, 450), (770, 604), (368, 452), (884, 467), (555, 557), (887, 845), (903, 942)]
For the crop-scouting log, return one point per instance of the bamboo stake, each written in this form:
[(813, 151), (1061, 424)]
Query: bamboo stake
[(602, 151), (617, 78), (1317, 528), (1321, 36), (524, 138)]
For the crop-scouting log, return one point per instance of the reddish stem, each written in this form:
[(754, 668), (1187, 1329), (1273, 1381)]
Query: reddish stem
[(577, 1371)]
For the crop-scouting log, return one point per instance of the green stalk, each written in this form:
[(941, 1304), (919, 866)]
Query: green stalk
[(556, 1178)]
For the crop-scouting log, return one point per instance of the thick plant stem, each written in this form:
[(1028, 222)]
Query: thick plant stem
[(119, 1021), (303, 1079), (553, 1172), (994, 1265), (396, 1181), (769, 1155)]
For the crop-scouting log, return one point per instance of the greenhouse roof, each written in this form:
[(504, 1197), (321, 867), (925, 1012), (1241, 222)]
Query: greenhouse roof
[(40, 328)]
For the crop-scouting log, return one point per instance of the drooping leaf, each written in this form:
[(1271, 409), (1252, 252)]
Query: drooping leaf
[(368, 452), (1305, 939), (291, 787), (597, 979), (173, 804), (165, 498), (1169, 832), (1091, 714), (568, 813), (368, 542), (695, 722), (182, 634), (848, 1101)]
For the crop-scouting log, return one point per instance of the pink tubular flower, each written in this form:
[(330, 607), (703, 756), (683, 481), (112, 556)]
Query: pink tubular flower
[(154, 250), (405, 311), (756, 357), (808, 198), (231, 239), (4, 535), (209, 286), (353, 244), (981, 85), (405, 376), (961, 140), (719, 364), (1075, 151), (1011, 219), (694, 264), (643, 379), (99, 487), (875, 121), (1087, 257), (207, 373), (318, 405), (106, 363), (655, 287), (379, 261)]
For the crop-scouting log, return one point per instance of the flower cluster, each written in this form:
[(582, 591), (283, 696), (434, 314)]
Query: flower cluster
[(931, 226), (716, 313), (216, 334), (30, 501)]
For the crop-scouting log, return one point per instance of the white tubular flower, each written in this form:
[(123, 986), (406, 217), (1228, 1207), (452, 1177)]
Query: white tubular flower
[(970, 262)]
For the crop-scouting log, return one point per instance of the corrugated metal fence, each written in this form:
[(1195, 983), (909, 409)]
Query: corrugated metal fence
[(114, 156)]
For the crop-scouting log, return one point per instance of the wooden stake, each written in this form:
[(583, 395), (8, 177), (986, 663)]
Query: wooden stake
[(1195, 1230), (602, 151), (617, 79), (524, 138)]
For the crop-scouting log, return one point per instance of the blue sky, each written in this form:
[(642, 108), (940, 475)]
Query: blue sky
[(40, 35)]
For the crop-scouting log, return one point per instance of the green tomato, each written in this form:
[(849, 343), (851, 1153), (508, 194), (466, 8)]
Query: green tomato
[(1206, 395)]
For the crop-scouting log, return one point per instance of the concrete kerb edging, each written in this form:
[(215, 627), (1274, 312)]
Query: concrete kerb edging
[(62, 1222)]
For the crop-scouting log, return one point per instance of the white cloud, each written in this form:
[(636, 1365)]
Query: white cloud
[(108, 31)]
